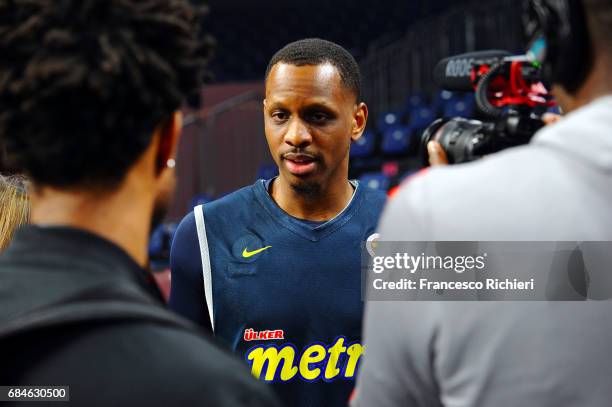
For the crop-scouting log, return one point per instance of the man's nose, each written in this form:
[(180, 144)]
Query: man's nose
[(298, 134)]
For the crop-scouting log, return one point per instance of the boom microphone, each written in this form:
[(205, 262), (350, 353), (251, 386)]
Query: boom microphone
[(454, 73)]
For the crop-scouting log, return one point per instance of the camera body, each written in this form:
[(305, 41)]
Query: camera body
[(509, 96)]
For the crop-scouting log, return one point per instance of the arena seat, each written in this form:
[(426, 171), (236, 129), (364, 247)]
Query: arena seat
[(390, 168), (364, 146), (440, 100), (460, 107), (414, 102), (156, 241), (421, 117), (396, 140), (388, 119), (375, 180), (160, 243)]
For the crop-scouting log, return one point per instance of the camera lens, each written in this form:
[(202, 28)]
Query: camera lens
[(462, 140)]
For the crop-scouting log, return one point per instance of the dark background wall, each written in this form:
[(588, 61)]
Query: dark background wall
[(249, 32)]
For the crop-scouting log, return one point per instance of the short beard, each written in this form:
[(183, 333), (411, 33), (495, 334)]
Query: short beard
[(308, 190)]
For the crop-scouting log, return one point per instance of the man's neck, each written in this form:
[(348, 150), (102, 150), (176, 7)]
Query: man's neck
[(323, 205), (122, 216)]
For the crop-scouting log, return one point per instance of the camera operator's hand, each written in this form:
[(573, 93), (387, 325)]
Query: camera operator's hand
[(437, 155), (550, 118)]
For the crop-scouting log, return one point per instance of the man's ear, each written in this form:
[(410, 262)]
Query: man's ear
[(360, 119), (169, 132)]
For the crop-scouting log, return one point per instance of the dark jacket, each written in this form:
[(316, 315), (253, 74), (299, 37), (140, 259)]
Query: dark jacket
[(113, 362)]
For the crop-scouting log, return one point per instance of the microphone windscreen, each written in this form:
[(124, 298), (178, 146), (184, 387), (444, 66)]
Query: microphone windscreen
[(453, 73)]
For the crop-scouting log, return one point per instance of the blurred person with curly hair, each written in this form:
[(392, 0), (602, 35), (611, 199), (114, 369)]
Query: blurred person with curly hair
[(90, 92)]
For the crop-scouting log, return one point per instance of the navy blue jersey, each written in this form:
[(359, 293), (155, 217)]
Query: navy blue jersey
[(283, 293)]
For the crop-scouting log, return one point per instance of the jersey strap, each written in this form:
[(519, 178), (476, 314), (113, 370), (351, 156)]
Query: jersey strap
[(205, 255)]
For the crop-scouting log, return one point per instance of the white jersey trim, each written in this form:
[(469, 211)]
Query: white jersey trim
[(205, 255), (355, 184)]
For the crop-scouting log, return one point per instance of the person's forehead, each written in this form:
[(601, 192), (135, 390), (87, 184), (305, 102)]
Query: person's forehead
[(306, 81)]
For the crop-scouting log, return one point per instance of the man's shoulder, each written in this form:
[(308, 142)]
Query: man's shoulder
[(505, 171), (238, 196), (231, 203), (510, 195), (374, 196), (239, 200), (198, 364), (168, 365), (373, 201)]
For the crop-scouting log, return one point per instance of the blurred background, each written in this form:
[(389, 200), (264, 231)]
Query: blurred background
[(396, 43)]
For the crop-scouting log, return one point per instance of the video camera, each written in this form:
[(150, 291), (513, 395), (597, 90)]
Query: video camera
[(509, 96)]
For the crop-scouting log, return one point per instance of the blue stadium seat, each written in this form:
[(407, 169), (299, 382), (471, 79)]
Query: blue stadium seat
[(160, 243), (364, 146), (396, 140), (388, 119), (421, 118), (375, 180), (156, 241), (460, 107), (440, 101), (414, 102), (267, 171)]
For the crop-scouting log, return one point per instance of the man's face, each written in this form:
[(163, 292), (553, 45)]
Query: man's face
[(310, 119)]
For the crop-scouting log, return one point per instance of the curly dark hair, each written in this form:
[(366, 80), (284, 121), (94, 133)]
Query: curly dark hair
[(83, 83), (315, 51)]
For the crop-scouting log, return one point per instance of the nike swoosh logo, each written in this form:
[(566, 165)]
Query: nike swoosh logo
[(246, 254)]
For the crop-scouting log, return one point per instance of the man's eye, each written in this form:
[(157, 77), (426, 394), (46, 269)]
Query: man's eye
[(279, 116), (319, 117)]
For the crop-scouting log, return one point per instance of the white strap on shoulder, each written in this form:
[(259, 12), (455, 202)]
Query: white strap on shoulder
[(205, 254)]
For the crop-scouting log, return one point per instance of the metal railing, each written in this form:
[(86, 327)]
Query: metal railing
[(220, 150), (392, 72)]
